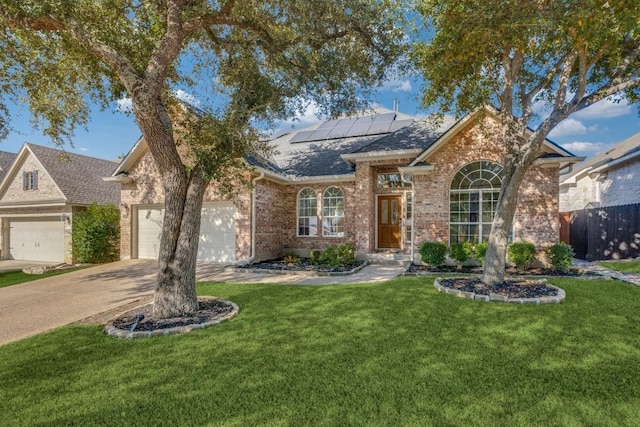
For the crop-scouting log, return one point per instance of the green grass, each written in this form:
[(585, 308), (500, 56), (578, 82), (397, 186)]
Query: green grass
[(9, 278), (396, 353), (622, 266)]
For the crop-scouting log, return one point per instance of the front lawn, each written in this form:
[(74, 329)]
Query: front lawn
[(395, 353), (9, 278), (622, 266)]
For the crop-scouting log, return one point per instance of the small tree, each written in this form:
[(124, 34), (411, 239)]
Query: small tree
[(96, 234)]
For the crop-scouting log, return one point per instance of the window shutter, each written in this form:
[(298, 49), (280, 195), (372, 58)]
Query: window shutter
[(24, 180), (35, 180)]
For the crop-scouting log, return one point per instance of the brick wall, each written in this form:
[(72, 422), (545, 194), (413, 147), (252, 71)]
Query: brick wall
[(47, 189), (270, 225)]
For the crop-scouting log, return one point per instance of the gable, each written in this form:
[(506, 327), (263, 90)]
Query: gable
[(13, 190)]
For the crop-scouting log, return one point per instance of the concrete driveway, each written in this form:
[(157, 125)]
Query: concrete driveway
[(34, 307)]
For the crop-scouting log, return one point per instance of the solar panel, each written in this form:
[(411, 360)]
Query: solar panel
[(382, 123), (338, 132), (319, 134), (302, 136), (399, 124), (329, 124), (361, 128)]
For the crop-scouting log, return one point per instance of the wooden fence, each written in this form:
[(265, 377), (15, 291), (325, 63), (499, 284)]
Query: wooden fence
[(611, 232)]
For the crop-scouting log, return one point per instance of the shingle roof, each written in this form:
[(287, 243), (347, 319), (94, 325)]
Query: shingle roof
[(6, 160), (79, 177), (312, 151), (619, 150)]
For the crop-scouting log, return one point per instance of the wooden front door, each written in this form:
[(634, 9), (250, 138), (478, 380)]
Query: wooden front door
[(389, 222)]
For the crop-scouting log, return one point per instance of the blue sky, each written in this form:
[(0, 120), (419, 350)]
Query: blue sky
[(112, 133)]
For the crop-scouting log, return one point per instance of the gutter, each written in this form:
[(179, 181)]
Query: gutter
[(249, 260)]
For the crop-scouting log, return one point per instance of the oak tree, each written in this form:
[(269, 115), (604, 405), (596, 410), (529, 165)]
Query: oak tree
[(524, 57), (250, 62)]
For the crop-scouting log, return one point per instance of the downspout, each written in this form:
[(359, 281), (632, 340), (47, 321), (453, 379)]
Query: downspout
[(413, 214), (253, 222)]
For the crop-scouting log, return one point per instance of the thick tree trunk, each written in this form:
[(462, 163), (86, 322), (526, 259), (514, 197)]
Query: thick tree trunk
[(520, 154), (175, 292)]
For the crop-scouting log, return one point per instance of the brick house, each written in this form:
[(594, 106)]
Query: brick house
[(385, 182), (41, 189)]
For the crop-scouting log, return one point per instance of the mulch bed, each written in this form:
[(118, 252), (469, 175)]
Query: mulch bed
[(511, 271), (209, 310), (304, 264), (510, 288)]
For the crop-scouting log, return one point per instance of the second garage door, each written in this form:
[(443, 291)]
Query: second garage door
[(217, 241), (34, 239)]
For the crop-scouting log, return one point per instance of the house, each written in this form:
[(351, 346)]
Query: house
[(41, 189), (609, 178), (384, 181)]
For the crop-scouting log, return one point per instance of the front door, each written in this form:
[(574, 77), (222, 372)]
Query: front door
[(389, 220)]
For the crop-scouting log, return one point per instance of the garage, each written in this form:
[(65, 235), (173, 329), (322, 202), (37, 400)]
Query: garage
[(217, 241), (36, 239)]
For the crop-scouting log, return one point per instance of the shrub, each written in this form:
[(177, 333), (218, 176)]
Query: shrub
[(433, 253), (290, 258), (481, 251), (560, 256), (522, 254), (334, 256), (96, 234), (460, 251)]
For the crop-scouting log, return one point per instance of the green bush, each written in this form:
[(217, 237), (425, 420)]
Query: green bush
[(560, 256), (96, 234), (433, 253), (461, 251), (334, 256), (481, 251), (522, 254)]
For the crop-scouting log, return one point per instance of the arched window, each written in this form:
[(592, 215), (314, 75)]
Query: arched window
[(473, 197), (333, 212), (307, 212)]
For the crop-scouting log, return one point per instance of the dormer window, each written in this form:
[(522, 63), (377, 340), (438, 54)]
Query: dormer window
[(30, 180)]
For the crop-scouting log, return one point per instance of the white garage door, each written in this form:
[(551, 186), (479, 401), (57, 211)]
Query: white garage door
[(217, 241), (37, 240)]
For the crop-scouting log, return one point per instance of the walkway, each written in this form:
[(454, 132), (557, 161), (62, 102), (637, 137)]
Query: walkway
[(593, 266)]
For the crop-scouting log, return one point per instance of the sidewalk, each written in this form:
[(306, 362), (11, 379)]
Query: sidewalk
[(593, 266)]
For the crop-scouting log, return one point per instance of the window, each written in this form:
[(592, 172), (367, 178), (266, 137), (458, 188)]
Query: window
[(473, 198), (307, 212), (333, 212), (409, 210), (30, 180), (392, 180)]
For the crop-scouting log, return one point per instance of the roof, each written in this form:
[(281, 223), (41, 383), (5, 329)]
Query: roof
[(315, 150), (78, 177), (6, 160), (627, 149)]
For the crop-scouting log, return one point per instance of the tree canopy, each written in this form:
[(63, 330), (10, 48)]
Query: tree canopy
[(537, 61), (249, 62)]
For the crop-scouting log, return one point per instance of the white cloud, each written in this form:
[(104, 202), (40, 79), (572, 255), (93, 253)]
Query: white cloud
[(605, 109), (186, 97), (124, 105), (397, 85), (584, 148), (84, 149), (568, 127)]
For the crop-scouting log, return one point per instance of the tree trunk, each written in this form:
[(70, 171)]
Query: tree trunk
[(520, 154), (175, 292)]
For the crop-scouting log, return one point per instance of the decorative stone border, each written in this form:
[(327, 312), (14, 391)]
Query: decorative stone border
[(122, 333), (501, 298), (298, 272)]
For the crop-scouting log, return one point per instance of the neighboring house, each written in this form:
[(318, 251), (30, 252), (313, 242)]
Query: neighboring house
[(607, 179), (384, 182), (41, 189)]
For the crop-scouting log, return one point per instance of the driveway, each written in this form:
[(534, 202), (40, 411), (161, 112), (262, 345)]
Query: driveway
[(34, 307)]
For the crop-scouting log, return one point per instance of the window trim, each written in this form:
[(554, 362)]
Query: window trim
[(308, 217), (470, 189), (326, 216), (30, 180)]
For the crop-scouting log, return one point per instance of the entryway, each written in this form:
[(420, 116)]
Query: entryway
[(389, 227)]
